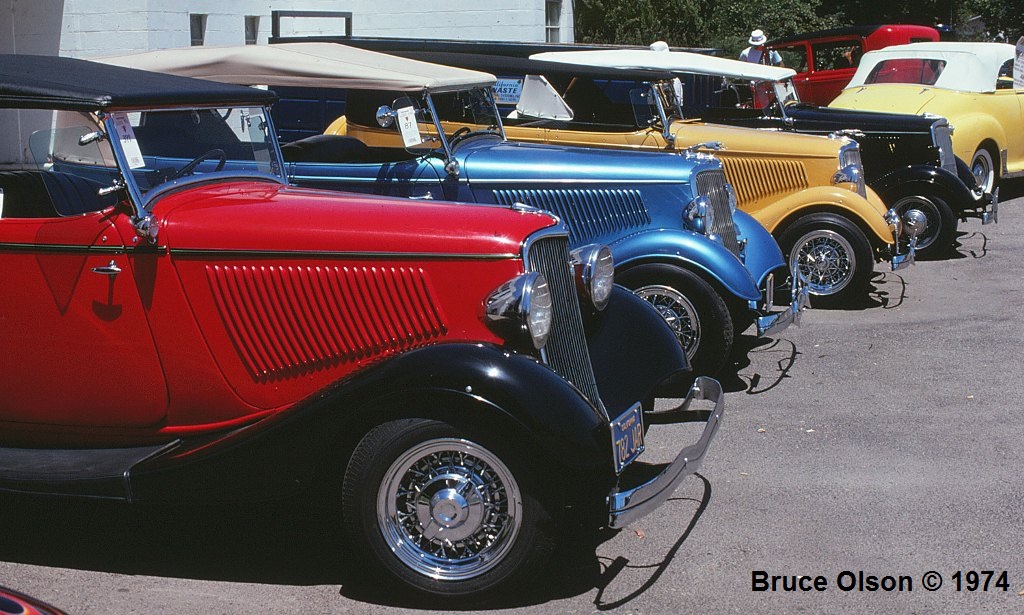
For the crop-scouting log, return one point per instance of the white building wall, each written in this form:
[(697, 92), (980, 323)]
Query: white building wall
[(89, 28)]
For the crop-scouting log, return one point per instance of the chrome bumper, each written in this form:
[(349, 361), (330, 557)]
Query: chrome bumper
[(628, 504), (990, 213), (897, 260), (774, 322)]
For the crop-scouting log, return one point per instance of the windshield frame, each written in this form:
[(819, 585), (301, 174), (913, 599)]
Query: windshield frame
[(488, 97), (143, 201)]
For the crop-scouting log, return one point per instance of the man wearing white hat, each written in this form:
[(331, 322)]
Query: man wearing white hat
[(755, 53)]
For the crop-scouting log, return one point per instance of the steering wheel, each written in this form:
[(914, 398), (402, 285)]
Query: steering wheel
[(459, 134), (189, 168)]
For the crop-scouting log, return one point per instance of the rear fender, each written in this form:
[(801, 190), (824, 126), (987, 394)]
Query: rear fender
[(690, 251)]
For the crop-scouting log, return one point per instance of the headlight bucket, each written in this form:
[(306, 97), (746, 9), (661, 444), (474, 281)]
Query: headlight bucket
[(521, 309), (851, 169), (699, 215), (595, 272)]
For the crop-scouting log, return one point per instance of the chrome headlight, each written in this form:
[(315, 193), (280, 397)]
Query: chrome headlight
[(851, 170), (595, 272), (699, 215), (892, 218), (522, 308)]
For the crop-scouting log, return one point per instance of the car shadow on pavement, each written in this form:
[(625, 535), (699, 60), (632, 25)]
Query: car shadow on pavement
[(285, 543)]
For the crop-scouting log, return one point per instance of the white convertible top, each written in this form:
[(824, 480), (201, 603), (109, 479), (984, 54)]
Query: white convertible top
[(667, 61), (326, 65), (970, 67)]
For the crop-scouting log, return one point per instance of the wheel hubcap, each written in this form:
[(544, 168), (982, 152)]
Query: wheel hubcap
[(678, 312), (826, 259), (982, 167), (449, 509), (930, 210)]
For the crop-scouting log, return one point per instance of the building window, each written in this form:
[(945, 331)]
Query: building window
[(252, 29), (552, 20), (197, 24)]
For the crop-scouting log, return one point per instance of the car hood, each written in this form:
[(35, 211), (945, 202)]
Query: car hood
[(738, 141), (830, 118), (489, 159), (270, 217), (899, 98)]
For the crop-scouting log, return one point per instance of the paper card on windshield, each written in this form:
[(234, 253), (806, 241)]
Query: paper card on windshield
[(126, 135), (407, 126), (508, 91)]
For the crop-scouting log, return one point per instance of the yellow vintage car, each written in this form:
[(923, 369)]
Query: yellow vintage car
[(970, 84)]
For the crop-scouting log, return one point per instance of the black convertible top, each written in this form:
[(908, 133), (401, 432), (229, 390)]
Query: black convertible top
[(52, 82)]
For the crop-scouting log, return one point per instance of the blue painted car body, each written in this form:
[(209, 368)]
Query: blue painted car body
[(634, 202)]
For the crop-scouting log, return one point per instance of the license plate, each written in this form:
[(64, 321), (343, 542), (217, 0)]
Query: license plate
[(627, 437)]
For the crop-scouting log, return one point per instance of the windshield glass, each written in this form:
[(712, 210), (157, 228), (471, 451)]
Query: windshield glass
[(921, 71), (166, 146), (467, 112)]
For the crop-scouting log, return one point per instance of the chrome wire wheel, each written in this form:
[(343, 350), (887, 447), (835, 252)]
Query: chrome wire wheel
[(827, 259), (678, 312), (449, 509)]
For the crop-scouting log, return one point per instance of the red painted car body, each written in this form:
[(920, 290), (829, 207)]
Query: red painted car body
[(826, 60), (177, 329)]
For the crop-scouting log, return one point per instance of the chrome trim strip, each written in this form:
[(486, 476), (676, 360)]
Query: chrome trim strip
[(333, 254), (625, 507), (69, 248), (540, 180)]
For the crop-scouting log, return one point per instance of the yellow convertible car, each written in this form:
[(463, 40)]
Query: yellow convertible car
[(970, 84)]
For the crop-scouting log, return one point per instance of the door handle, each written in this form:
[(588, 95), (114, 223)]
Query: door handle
[(110, 269)]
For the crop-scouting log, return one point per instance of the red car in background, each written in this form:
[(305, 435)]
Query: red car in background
[(826, 60)]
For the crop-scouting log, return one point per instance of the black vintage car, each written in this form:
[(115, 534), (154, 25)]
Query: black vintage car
[(907, 159)]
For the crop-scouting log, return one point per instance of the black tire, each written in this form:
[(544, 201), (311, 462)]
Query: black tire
[(833, 254), (693, 309), (937, 239), (485, 498)]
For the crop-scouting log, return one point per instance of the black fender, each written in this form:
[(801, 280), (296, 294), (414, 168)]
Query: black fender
[(634, 353), (928, 180), (478, 385)]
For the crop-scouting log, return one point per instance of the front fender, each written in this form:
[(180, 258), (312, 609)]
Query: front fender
[(690, 250), (762, 254), (927, 180), (474, 383), (869, 215), (633, 351)]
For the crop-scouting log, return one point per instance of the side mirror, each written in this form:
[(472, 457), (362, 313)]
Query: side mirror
[(385, 116)]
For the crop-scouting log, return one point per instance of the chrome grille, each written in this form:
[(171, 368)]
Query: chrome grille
[(566, 350), (712, 184), (756, 178), (942, 138), (588, 214)]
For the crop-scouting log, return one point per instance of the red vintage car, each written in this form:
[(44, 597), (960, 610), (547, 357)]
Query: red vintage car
[(180, 329), (16, 603), (825, 61)]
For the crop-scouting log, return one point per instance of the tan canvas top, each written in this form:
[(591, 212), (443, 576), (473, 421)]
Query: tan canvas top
[(667, 61), (327, 65)]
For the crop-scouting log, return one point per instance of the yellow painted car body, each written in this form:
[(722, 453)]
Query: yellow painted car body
[(980, 120), (969, 84), (778, 176)]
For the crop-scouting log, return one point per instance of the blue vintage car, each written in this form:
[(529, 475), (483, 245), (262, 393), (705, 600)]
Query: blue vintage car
[(424, 131)]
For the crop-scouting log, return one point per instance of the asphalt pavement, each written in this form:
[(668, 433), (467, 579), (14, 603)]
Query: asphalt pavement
[(877, 447)]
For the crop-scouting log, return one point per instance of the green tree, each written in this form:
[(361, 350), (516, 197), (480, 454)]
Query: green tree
[(640, 22), (996, 20)]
